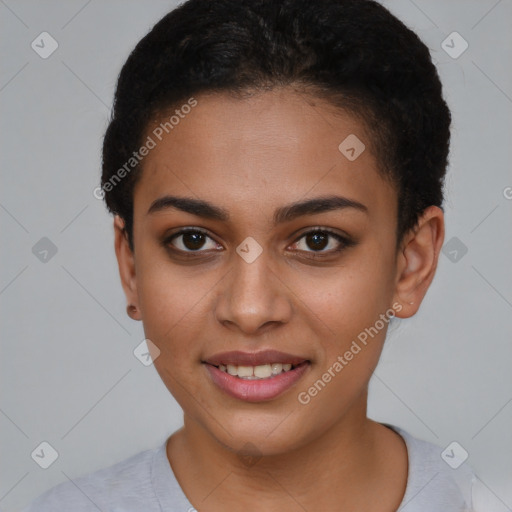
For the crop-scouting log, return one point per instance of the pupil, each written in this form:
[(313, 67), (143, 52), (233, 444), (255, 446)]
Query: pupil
[(196, 240), (319, 241)]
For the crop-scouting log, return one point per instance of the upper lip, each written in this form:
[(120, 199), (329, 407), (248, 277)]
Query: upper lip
[(239, 358)]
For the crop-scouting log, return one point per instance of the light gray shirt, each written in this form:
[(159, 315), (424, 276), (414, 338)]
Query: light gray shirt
[(146, 483)]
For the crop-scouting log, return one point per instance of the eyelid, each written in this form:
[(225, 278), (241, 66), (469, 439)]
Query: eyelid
[(344, 240), (323, 229), (182, 231)]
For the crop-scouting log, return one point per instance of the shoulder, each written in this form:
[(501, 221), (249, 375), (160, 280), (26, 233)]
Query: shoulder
[(125, 486), (439, 479)]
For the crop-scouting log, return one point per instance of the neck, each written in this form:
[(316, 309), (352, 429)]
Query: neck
[(347, 457)]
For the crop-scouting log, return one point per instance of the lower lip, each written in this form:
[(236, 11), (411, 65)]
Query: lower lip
[(256, 390)]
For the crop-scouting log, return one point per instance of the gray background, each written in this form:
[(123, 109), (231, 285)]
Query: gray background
[(68, 373)]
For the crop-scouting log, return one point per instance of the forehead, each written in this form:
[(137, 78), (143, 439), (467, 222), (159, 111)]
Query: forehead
[(273, 147)]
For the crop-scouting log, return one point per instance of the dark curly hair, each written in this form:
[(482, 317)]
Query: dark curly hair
[(353, 53)]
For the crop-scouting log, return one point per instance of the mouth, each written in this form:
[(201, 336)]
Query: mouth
[(255, 377), (262, 371)]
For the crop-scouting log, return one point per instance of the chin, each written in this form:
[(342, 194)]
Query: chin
[(259, 435)]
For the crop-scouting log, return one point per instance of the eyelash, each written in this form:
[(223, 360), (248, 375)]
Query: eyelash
[(344, 241)]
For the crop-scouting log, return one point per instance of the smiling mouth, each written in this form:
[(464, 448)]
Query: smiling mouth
[(258, 376), (262, 371)]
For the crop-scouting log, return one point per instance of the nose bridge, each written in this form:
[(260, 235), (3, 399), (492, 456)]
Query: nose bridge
[(251, 279), (252, 295)]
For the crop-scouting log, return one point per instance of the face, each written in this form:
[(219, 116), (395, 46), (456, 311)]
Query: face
[(283, 255)]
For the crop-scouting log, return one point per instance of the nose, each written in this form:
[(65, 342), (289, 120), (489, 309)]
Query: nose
[(253, 298)]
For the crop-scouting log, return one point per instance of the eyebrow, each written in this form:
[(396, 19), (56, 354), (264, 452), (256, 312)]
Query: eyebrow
[(201, 208)]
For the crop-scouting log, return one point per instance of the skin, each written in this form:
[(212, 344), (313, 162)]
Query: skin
[(249, 157)]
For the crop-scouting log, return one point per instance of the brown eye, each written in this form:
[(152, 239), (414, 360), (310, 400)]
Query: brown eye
[(191, 240), (318, 240)]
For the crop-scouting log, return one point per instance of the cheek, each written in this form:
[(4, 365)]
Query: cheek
[(350, 307), (174, 311), (348, 298), (172, 302)]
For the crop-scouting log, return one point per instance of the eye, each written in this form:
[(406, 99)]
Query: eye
[(317, 242), (320, 239), (191, 240)]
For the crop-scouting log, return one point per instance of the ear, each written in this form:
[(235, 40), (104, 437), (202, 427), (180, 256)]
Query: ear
[(417, 260), (126, 264)]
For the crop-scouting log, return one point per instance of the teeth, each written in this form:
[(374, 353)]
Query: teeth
[(263, 371), (245, 371), (277, 368)]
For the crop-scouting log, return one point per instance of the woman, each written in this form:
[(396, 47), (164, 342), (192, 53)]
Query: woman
[(275, 170)]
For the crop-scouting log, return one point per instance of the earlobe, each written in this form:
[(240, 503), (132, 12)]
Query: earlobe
[(126, 264), (417, 260)]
